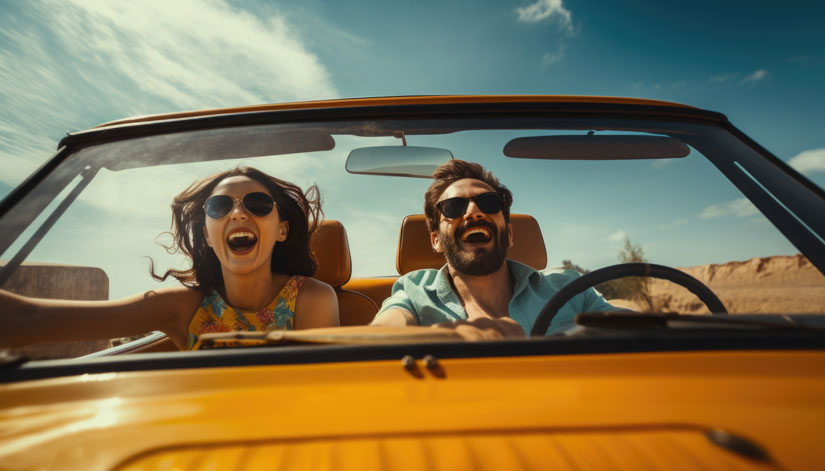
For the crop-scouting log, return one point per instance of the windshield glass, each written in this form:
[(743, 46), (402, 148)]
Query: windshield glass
[(113, 202)]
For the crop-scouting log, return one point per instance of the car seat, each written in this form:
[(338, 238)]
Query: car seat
[(331, 248), (415, 251)]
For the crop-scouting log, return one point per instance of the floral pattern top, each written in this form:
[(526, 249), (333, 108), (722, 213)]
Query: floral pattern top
[(214, 315)]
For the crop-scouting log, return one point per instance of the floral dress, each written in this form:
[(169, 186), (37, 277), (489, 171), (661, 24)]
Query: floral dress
[(214, 315)]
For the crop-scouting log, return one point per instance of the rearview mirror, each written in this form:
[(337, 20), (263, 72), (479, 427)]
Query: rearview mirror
[(397, 161), (592, 147)]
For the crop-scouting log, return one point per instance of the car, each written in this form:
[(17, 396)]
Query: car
[(717, 361)]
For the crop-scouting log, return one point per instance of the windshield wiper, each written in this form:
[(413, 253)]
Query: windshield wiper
[(634, 320)]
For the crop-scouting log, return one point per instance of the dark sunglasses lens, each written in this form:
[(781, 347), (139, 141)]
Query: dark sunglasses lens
[(258, 204), (218, 206), (490, 203), (454, 207)]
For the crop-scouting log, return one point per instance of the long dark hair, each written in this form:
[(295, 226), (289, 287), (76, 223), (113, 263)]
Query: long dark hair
[(291, 256)]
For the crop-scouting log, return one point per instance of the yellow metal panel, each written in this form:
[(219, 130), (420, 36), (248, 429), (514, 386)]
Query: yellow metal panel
[(534, 412), (571, 450)]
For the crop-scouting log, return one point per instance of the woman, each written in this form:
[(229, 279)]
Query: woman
[(247, 235)]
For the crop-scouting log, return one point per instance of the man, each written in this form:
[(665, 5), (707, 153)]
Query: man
[(479, 292)]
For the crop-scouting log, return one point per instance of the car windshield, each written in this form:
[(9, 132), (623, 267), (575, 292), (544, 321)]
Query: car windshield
[(604, 190)]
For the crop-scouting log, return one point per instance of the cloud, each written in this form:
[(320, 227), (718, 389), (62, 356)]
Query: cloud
[(217, 57), (617, 236), (809, 161), (800, 58), (544, 9), (70, 65), (659, 163), (739, 208), (723, 78), (553, 57), (675, 223), (755, 77)]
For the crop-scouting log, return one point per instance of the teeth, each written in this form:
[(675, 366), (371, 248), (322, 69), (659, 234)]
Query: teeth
[(476, 230), (239, 234)]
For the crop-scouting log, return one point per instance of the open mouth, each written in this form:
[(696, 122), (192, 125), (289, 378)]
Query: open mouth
[(476, 235), (241, 241)]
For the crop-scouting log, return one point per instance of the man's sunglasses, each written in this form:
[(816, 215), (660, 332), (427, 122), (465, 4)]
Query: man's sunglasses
[(257, 204), (453, 208)]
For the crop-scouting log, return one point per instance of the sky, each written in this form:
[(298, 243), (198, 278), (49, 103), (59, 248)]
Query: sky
[(69, 65)]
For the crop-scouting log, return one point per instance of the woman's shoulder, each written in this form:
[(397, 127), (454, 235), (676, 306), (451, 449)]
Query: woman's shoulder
[(309, 283), (317, 305)]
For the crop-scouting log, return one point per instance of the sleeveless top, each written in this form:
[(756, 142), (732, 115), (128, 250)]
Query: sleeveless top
[(214, 315)]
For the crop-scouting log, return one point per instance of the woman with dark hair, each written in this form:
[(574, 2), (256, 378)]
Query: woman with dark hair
[(247, 234)]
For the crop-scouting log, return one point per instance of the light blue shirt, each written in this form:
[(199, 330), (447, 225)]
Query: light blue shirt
[(429, 296)]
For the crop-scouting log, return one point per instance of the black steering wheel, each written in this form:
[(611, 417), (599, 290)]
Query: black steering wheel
[(613, 272)]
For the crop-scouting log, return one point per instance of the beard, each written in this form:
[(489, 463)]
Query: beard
[(475, 261)]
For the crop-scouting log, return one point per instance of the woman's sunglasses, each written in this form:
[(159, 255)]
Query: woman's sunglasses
[(452, 208), (257, 204)]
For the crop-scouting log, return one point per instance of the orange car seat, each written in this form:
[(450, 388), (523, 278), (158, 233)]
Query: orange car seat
[(331, 248), (415, 251)]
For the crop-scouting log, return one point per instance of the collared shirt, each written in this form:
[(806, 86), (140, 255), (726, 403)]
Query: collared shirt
[(428, 295)]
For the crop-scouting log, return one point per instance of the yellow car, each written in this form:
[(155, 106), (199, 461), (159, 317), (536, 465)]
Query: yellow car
[(717, 363)]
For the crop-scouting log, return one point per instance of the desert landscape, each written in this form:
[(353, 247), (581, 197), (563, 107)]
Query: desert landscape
[(761, 285)]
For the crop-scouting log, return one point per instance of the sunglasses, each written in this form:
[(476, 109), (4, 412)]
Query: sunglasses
[(453, 208), (257, 204)]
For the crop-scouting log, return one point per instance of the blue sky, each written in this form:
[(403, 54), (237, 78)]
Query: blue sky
[(72, 64), (68, 65)]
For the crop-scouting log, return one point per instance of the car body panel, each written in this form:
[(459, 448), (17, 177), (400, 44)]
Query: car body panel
[(770, 398)]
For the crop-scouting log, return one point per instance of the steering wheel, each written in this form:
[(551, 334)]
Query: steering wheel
[(613, 272)]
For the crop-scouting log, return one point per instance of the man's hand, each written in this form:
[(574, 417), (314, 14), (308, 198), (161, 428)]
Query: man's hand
[(485, 328)]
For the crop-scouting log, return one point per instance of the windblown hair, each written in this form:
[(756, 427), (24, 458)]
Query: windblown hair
[(449, 173), (291, 256)]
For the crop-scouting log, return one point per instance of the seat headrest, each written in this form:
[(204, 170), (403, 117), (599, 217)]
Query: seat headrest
[(331, 248), (415, 251)]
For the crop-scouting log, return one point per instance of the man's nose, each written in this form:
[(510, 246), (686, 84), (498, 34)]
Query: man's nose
[(473, 211)]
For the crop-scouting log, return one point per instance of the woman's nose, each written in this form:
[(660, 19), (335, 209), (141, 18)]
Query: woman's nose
[(238, 211)]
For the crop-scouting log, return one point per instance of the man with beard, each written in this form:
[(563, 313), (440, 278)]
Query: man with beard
[(479, 292)]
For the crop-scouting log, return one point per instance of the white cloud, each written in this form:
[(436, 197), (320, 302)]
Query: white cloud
[(97, 61), (675, 223), (809, 161), (723, 78), (659, 163), (617, 236), (755, 77), (544, 9), (553, 57), (739, 208), (219, 56)]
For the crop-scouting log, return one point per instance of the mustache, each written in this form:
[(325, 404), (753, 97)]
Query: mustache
[(489, 225)]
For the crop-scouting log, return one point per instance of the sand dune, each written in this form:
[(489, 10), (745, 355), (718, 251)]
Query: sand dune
[(769, 285)]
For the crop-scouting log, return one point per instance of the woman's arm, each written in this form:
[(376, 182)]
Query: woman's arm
[(34, 320), (316, 306)]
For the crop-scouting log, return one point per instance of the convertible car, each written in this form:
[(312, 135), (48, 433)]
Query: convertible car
[(714, 247)]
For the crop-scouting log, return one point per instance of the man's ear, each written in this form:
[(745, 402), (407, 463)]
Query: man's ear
[(510, 234), (206, 236), (435, 242), (283, 231)]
